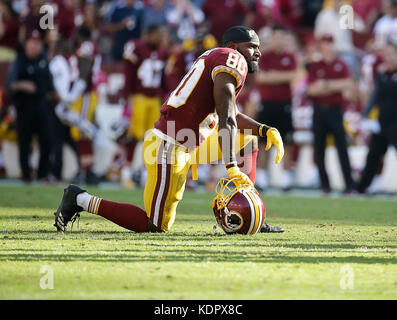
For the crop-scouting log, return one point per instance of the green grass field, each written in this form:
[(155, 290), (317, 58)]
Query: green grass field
[(333, 248)]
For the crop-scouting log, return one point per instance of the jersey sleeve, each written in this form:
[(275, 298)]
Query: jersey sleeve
[(229, 61)]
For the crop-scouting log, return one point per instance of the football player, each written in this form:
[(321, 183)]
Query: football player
[(144, 61), (83, 99), (199, 122)]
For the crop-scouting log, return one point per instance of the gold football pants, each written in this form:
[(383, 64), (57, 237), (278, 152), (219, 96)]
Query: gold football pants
[(145, 112), (167, 166)]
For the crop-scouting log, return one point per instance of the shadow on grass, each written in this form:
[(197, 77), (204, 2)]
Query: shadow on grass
[(182, 238), (194, 256), (203, 217), (232, 246)]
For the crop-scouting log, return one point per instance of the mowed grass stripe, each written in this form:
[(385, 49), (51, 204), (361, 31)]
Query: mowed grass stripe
[(101, 260)]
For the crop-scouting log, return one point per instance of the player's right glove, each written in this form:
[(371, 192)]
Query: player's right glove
[(274, 138), (239, 178)]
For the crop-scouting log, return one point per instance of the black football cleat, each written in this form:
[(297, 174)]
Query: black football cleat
[(267, 228), (68, 210)]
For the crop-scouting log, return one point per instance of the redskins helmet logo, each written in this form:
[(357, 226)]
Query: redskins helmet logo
[(233, 221), (238, 208)]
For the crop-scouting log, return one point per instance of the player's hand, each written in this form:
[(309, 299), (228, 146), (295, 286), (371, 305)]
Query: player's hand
[(240, 177), (274, 138)]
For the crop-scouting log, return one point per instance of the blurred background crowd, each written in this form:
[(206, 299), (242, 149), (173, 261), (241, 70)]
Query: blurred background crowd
[(81, 82)]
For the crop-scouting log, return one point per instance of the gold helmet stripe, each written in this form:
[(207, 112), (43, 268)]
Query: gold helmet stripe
[(256, 212), (260, 211), (252, 211)]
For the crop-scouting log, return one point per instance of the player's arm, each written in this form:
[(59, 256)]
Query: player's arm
[(225, 105), (245, 122)]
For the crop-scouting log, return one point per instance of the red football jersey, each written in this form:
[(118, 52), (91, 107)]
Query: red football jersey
[(143, 70), (191, 105)]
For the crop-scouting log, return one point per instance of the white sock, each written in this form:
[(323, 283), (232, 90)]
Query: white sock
[(83, 200), (88, 202)]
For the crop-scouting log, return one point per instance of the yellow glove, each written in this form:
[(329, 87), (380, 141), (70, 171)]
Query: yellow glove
[(274, 138), (240, 177)]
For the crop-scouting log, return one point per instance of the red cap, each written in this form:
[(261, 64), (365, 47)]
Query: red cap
[(326, 37), (35, 34)]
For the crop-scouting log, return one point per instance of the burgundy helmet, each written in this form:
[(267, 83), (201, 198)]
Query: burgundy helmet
[(238, 208)]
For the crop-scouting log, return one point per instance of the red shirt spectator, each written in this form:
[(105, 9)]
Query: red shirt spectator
[(9, 29), (334, 70), (9, 26), (262, 15), (223, 14), (276, 61), (290, 12), (66, 19), (31, 21)]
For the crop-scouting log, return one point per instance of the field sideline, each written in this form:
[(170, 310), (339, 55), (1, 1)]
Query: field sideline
[(334, 248)]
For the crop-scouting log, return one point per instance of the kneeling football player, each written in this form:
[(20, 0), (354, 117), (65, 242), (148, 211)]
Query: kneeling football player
[(199, 123)]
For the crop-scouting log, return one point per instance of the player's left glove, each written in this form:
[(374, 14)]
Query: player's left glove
[(239, 177), (274, 138)]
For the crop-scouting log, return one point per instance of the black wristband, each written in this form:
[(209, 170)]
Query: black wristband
[(231, 164), (262, 130)]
